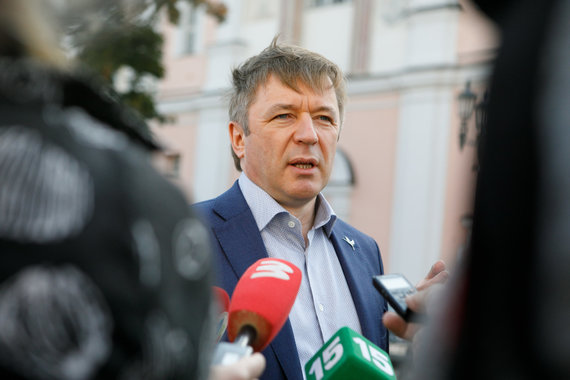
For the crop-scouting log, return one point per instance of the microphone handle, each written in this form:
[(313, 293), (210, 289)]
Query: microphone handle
[(228, 353)]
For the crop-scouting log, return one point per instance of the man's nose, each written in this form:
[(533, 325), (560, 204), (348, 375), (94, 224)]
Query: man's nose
[(305, 132)]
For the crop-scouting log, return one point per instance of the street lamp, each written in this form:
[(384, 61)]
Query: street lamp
[(466, 106), (481, 114)]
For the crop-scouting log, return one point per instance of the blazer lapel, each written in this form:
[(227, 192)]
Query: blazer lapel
[(285, 350), (241, 242), (237, 231), (360, 285)]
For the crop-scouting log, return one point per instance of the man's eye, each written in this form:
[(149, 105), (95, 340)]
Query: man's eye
[(325, 118), (282, 116)]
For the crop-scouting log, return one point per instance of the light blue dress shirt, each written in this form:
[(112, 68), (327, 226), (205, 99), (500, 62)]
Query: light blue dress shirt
[(324, 303)]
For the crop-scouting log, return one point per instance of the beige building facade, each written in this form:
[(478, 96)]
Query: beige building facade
[(399, 174)]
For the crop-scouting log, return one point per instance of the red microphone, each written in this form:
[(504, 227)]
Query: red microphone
[(223, 302), (260, 306)]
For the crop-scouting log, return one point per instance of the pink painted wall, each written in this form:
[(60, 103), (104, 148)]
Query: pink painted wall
[(369, 140), (180, 138)]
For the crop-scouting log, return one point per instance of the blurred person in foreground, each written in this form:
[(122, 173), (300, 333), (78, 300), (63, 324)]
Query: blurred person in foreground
[(104, 271), (506, 313), (286, 113)]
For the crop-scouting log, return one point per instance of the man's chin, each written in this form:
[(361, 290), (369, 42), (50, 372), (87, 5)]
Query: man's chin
[(305, 194)]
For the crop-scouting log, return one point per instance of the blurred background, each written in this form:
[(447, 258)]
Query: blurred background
[(417, 77), (406, 164), (418, 72)]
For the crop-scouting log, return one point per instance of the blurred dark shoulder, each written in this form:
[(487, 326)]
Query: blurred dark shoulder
[(27, 82)]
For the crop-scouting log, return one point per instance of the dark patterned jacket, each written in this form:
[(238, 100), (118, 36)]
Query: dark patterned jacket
[(104, 271)]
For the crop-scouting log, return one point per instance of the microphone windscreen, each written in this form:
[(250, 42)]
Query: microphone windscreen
[(263, 298), (348, 355)]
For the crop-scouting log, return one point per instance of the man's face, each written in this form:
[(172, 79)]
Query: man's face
[(292, 142)]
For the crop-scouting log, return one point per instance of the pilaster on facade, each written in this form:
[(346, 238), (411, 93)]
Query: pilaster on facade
[(432, 33), (290, 21), (226, 49), (361, 36)]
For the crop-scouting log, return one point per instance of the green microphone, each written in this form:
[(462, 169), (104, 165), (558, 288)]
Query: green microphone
[(348, 355)]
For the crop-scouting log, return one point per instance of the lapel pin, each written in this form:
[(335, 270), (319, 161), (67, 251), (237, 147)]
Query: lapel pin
[(351, 242)]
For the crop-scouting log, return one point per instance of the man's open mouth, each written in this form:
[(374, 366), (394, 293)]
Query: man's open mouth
[(303, 166)]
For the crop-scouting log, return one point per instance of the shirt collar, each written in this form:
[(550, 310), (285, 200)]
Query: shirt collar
[(264, 208)]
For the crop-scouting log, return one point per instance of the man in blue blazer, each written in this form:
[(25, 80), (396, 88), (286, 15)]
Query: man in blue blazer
[(286, 112)]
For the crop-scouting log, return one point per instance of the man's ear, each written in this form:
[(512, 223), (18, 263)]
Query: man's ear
[(237, 138)]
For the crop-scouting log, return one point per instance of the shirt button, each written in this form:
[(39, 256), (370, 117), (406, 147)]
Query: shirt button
[(321, 307), (291, 224)]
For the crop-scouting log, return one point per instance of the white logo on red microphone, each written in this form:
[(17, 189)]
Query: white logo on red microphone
[(272, 268)]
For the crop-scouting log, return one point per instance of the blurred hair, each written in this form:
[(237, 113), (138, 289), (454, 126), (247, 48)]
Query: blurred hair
[(293, 65), (26, 32)]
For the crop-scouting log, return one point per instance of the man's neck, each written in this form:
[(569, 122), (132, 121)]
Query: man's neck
[(303, 210), (306, 215)]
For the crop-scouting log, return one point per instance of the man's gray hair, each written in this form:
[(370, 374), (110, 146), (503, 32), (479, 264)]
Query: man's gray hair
[(293, 65)]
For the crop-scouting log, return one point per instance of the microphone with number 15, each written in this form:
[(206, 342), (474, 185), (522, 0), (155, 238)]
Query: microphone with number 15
[(348, 355), (259, 307)]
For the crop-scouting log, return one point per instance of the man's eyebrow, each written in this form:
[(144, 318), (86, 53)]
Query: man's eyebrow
[(328, 109), (280, 107), (277, 108), (287, 107)]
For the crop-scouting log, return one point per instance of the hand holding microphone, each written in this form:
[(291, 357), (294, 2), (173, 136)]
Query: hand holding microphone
[(247, 368), (259, 307), (348, 355)]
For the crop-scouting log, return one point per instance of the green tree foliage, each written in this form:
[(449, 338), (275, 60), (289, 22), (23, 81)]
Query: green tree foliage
[(120, 36), (136, 47)]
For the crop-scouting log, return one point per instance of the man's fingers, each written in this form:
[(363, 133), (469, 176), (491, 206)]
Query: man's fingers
[(247, 368), (398, 326), (394, 323), (440, 278), (425, 301), (438, 267), (437, 274), (256, 365), (417, 301)]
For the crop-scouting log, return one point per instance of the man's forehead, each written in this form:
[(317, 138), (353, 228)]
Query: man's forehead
[(300, 86)]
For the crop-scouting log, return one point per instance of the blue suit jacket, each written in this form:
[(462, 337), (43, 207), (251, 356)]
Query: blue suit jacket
[(238, 244)]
